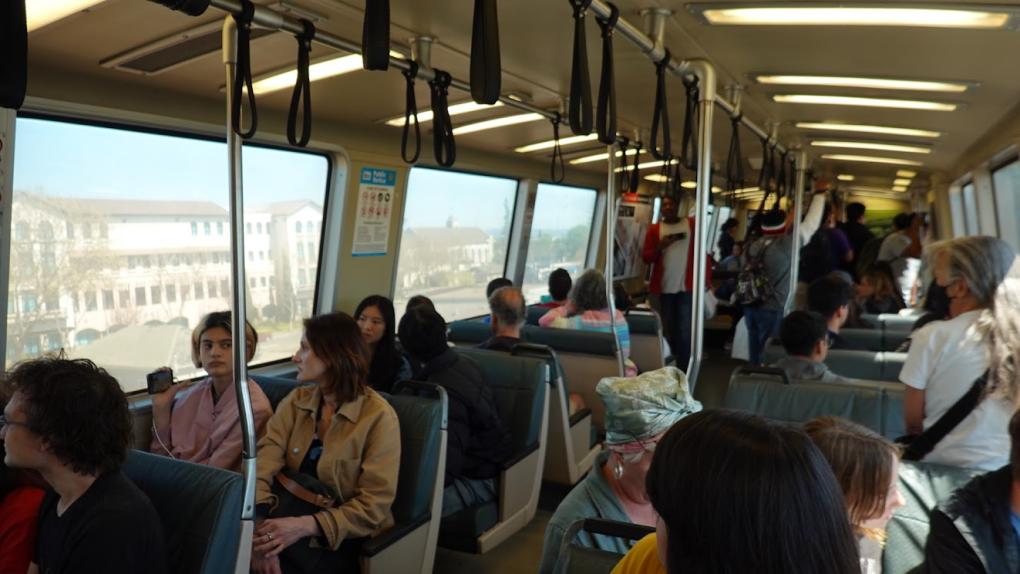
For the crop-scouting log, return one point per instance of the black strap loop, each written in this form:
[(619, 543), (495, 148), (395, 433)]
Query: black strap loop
[(242, 73), (486, 71), (773, 182), (678, 179), (660, 116), (189, 7), (764, 175), (411, 111), (14, 47), (443, 142), (734, 163), (605, 123), (557, 157), (635, 175), (782, 180), (624, 177), (689, 145), (375, 35), (579, 112), (302, 89)]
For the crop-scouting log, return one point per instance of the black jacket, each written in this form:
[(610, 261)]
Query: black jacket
[(971, 533), (478, 441)]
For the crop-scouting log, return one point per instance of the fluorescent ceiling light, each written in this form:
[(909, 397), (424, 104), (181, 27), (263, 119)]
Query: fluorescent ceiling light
[(600, 157), (657, 178), (320, 70), (872, 145), (455, 110), (906, 173), (743, 190), (845, 177), (551, 143), (646, 165), (876, 83), (866, 189), (497, 123), (899, 188), (901, 181), (878, 15), (866, 129), (689, 184), (864, 102), (40, 13), (871, 159)]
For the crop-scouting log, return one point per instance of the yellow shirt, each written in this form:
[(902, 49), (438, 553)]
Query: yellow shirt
[(643, 558)]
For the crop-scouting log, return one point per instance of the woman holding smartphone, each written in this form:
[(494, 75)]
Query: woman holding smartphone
[(201, 423)]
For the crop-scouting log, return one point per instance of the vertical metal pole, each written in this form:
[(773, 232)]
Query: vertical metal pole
[(237, 303), (612, 212), (7, 121), (707, 87), (798, 212)]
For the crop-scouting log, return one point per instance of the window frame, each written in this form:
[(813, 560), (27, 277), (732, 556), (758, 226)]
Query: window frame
[(335, 189), (1002, 163)]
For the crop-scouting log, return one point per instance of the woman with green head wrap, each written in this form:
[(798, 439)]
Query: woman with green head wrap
[(639, 410)]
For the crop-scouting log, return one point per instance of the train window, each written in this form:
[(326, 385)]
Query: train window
[(560, 230), (455, 239), (109, 210), (1006, 181), (970, 215)]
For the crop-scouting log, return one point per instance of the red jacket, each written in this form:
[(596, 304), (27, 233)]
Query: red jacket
[(19, 514), (651, 255)]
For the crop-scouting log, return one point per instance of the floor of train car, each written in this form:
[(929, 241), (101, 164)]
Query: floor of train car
[(523, 551)]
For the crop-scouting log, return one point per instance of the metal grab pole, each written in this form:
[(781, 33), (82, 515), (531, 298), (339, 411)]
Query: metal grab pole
[(612, 211), (237, 303), (706, 84), (798, 212)]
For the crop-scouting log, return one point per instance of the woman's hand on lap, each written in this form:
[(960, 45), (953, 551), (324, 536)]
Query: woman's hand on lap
[(276, 534)]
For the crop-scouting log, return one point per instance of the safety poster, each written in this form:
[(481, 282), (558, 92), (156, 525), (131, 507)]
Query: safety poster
[(376, 198)]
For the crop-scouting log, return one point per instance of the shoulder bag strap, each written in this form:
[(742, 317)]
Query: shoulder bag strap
[(925, 442)]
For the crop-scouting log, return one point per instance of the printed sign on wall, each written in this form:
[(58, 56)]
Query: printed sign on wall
[(376, 198)]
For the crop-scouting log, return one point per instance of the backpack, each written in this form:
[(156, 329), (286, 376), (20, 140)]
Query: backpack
[(869, 254), (816, 257), (753, 285)]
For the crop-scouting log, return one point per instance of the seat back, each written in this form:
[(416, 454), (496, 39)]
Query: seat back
[(199, 506), (863, 365), (535, 313), (468, 333), (923, 486), (866, 339), (645, 339), (877, 405), (276, 388), (577, 559), (890, 321)]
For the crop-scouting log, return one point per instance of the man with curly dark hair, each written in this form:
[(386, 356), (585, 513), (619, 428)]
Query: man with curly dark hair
[(69, 421)]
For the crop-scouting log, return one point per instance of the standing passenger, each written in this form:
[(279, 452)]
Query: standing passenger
[(202, 424), (387, 364), (856, 231), (338, 432), (902, 251), (69, 421)]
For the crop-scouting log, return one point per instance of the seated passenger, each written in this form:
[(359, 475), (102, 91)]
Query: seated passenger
[(877, 293), (497, 283), (737, 493), (974, 532), (200, 423), (805, 339), (621, 298), (866, 466), (981, 276), (559, 288), (830, 296), (378, 325), (731, 263), (478, 442), (419, 300), (69, 421), (587, 309), (338, 432), (638, 413), (20, 497), (507, 316)]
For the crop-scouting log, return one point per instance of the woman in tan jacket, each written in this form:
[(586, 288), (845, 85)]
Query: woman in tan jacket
[(338, 430)]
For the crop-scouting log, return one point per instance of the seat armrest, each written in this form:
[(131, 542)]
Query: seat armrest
[(579, 416), (387, 538), (519, 456)]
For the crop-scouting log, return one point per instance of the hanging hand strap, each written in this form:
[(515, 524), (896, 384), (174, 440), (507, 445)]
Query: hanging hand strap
[(689, 145), (375, 35), (14, 47), (635, 175), (660, 116), (557, 158), (411, 112), (443, 142), (734, 163), (242, 74), (624, 174), (302, 90), (764, 175), (782, 181), (605, 123), (579, 105), (678, 179), (486, 73), (773, 179)]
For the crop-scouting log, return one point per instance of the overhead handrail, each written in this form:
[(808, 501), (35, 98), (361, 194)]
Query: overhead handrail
[(242, 79), (410, 112), (443, 142), (375, 36), (605, 123), (14, 64), (689, 144), (579, 112), (660, 114), (302, 96), (486, 70), (558, 166)]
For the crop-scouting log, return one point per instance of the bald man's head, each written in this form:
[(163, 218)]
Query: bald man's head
[(507, 306)]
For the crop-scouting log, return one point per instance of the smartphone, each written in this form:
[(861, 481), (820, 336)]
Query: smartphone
[(159, 381)]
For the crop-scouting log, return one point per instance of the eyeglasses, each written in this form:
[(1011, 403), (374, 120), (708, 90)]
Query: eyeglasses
[(4, 421)]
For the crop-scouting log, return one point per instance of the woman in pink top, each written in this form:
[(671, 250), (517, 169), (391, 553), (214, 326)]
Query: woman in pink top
[(200, 423)]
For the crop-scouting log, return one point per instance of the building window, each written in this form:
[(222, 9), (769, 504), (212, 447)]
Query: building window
[(171, 293), (263, 281), (199, 291), (225, 287), (108, 299), (219, 228), (253, 282), (69, 230), (262, 255), (86, 230), (185, 292), (29, 302), (297, 227), (140, 296), (207, 227), (212, 289), (259, 228), (125, 298), (52, 301), (248, 227), (301, 252), (194, 228), (90, 301), (157, 293)]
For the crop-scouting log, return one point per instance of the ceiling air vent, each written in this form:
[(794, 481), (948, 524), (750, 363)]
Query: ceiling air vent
[(168, 53)]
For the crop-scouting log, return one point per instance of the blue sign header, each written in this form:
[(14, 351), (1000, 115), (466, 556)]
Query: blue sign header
[(376, 176)]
